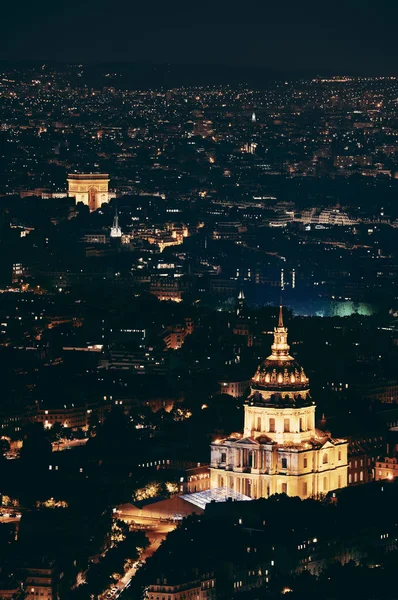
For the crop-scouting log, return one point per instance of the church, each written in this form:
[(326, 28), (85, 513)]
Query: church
[(280, 450)]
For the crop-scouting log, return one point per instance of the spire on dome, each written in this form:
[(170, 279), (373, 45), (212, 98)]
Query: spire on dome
[(280, 371), (280, 348), (280, 322)]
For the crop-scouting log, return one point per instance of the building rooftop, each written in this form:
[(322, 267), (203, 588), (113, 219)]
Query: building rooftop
[(84, 176), (220, 494)]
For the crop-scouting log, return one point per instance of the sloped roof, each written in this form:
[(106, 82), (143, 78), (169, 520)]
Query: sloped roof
[(220, 494)]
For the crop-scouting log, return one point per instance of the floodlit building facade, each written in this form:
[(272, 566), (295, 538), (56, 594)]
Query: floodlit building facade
[(200, 589), (280, 450), (387, 468), (91, 189)]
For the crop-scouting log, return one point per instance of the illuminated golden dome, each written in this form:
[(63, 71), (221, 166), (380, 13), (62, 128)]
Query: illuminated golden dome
[(280, 372)]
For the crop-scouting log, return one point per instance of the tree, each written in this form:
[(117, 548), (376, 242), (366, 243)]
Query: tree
[(98, 578), (55, 433), (36, 446), (4, 445), (120, 530)]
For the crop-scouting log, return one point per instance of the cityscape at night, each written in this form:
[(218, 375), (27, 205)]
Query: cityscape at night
[(198, 303)]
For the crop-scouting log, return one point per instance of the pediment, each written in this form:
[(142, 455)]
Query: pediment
[(248, 441), (327, 444)]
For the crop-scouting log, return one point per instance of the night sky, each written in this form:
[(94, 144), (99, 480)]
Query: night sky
[(349, 37)]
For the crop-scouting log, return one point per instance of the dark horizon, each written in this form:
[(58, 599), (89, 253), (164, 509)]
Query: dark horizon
[(291, 37), (130, 75)]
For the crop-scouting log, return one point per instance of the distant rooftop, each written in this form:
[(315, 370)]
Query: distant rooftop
[(88, 176)]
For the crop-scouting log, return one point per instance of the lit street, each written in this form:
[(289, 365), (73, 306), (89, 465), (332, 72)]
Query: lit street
[(156, 537), (68, 444)]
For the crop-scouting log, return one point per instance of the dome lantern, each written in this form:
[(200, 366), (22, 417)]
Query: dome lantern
[(280, 373)]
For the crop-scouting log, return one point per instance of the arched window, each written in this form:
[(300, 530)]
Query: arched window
[(325, 458)]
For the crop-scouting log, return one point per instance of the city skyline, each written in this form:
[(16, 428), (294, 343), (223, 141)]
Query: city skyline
[(198, 301)]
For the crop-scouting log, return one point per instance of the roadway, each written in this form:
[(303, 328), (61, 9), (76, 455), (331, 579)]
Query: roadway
[(156, 537), (68, 444), (6, 518)]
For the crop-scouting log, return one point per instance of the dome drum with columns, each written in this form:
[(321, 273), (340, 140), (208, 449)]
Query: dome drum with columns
[(280, 450)]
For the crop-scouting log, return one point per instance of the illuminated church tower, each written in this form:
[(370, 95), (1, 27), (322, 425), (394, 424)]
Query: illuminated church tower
[(280, 450), (241, 303), (116, 231)]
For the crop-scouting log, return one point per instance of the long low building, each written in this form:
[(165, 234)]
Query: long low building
[(177, 507)]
